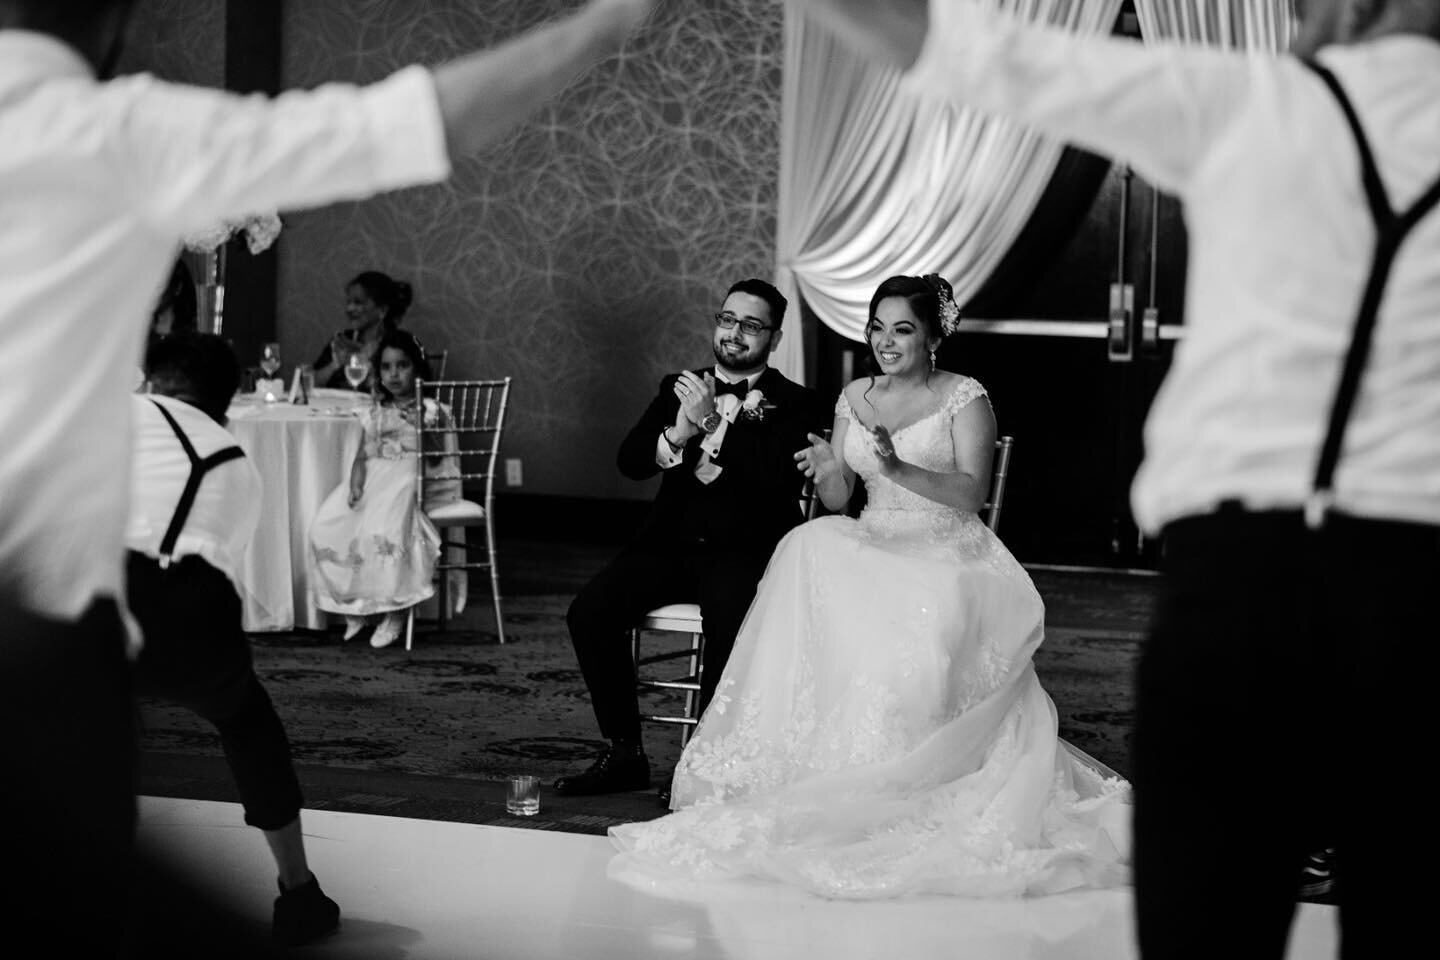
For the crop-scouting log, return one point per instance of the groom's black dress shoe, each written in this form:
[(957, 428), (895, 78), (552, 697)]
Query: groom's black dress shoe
[(616, 770)]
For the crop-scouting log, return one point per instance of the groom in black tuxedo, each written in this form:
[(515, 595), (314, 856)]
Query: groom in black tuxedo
[(724, 439)]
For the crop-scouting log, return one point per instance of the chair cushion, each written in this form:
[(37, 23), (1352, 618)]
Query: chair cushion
[(456, 513), (674, 616)]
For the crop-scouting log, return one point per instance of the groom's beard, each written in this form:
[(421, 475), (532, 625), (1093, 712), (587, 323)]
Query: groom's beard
[(741, 362)]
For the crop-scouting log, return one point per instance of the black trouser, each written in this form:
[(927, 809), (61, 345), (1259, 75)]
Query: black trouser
[(1284, 705), (721, 581), (195, 654), (67, 796)]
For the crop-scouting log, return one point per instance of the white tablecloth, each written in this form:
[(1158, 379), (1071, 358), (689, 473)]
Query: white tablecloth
[(302, 453)]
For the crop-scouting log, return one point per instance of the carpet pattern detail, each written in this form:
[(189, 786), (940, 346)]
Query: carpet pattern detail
[(462, 706)]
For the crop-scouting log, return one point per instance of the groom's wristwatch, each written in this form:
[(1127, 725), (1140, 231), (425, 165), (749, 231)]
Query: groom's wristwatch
[(711, 423)]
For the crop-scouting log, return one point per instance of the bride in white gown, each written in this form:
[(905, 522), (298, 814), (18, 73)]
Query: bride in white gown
[(879, 729)]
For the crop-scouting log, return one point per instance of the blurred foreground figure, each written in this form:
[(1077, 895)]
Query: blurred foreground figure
[(99, 180), (1292, 457)]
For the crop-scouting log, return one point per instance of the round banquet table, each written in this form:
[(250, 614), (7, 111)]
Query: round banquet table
[(303, 451)]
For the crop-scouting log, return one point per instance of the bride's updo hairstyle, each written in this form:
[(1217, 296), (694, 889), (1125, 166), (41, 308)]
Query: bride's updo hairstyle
[(931, 301)]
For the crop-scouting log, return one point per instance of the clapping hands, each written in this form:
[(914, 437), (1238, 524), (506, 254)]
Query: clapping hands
[(697, 399), (818, 460)]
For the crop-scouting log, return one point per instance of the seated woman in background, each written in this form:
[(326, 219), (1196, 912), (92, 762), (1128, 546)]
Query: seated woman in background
[(374, 303), (373, 550)]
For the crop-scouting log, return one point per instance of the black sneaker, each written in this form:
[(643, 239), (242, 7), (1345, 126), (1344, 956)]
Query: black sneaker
[(616, 770), (1317, 877), (304, 914)]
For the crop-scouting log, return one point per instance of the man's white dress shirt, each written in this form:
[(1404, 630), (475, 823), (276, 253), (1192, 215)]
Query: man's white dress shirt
[(98, 181), (1280, 237), (226, 509)]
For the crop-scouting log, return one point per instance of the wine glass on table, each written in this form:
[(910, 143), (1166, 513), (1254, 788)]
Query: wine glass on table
[(357, 368), (270, 364)]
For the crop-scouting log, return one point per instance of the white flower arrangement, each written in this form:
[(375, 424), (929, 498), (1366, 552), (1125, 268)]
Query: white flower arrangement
[(753, 407), (949, 315), (260, 232)]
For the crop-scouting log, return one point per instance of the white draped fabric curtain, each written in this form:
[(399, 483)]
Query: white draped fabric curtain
[(1262, 26), (876, 182)]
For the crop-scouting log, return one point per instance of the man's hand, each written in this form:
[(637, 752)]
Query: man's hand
[(890, 31), (697, 398)]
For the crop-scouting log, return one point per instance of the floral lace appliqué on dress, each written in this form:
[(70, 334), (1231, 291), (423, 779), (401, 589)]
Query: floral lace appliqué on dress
[(879, 729)]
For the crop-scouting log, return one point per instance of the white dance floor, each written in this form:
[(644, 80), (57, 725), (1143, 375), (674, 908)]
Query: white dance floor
[(427, 889)]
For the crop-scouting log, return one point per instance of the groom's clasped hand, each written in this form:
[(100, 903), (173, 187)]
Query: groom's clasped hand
[(697, 397)]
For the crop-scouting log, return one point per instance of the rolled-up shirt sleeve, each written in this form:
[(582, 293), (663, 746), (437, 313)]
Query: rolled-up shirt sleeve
[(1157, 106), (202, 156)]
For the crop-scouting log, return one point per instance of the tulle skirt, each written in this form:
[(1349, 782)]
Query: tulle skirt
[(879, 730)]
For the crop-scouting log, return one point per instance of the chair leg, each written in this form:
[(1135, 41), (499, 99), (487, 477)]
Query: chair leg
[(495, 595), (442, 594), (494, 573), (410, 625)]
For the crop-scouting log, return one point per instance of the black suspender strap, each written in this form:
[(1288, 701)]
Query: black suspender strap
[(1391, 230), (198, 468)]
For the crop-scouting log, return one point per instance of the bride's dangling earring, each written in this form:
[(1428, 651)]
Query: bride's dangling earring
[(932, 361)]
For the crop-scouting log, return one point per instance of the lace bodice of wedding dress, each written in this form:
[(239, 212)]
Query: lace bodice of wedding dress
[(894, 512)]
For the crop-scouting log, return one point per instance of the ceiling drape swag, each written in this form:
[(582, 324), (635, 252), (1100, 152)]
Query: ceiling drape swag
[(876, 182)]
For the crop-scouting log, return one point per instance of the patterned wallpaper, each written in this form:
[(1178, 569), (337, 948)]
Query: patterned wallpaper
[(180, 40), (583, 256)]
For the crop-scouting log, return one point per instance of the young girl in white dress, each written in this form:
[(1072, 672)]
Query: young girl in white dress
[(372, 548), (879, 729)]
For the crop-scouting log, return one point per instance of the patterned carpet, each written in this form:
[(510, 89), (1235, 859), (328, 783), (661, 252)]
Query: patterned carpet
[(434, 732)]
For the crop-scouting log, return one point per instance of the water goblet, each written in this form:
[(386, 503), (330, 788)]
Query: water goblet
[(357, 368)]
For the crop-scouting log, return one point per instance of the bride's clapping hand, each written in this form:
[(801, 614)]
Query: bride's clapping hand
[(884, 446), (818, 460)]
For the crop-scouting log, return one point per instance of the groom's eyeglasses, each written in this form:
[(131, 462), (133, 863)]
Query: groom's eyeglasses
[(728, 321)]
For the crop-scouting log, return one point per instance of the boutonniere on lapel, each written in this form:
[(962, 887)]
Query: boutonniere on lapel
[(754, 406)]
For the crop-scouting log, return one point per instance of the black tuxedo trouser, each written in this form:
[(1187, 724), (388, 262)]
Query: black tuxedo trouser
[(195, 654), (67, 795), (721, 581), (1284, 705)]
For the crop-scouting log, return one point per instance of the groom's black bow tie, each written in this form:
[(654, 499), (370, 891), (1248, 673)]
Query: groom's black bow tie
[(739, 389)]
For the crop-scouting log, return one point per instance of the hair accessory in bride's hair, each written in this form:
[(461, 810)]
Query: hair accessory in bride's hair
[(949, 312)]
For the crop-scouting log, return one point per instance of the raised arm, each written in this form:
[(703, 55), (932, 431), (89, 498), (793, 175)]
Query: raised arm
[(487, 93), (199, 157), (1158, 107), (889, 31)]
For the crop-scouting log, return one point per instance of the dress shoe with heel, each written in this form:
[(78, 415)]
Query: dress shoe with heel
[(617, 770)]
